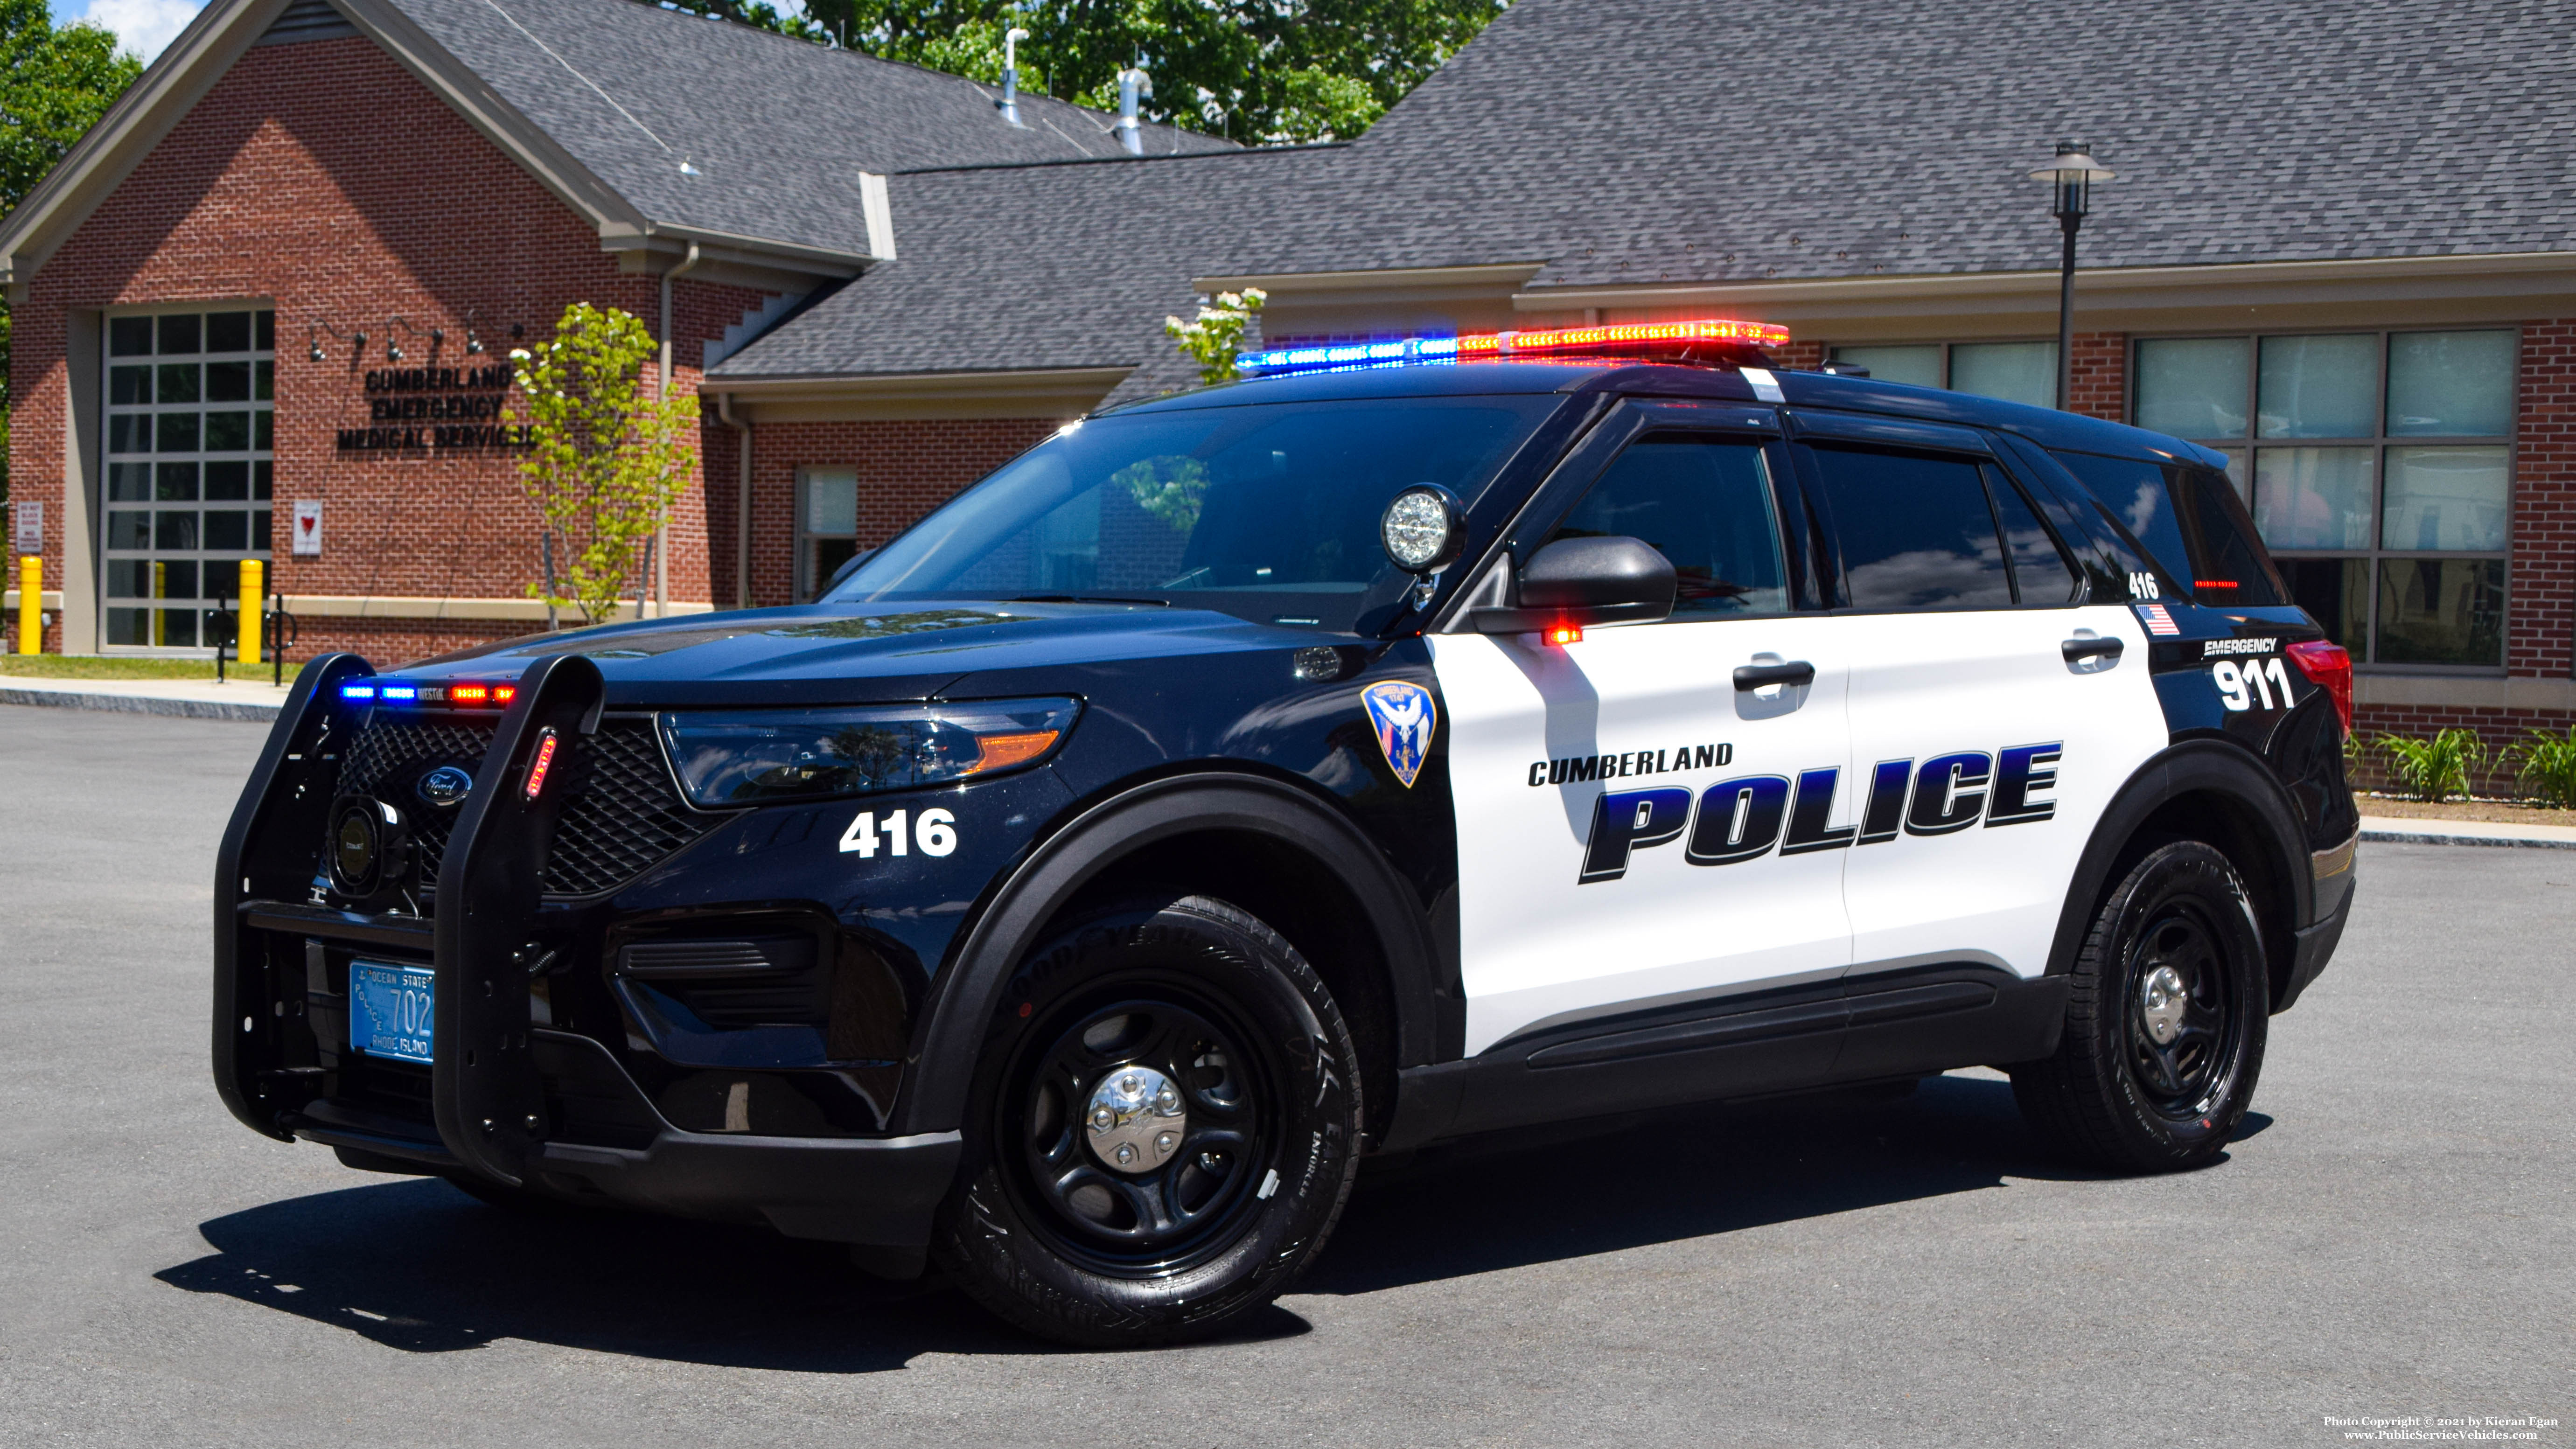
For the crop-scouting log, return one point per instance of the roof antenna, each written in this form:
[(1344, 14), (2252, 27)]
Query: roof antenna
[(1133, 84), (1009, 104)]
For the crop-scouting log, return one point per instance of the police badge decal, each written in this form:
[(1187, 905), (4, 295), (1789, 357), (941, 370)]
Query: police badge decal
[(1403, 716)]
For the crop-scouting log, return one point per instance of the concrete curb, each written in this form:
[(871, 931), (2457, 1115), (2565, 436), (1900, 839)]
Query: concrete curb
[(140, 704), (2435, 835)]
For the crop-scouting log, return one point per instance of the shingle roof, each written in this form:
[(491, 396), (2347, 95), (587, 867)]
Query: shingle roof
[(778, 129), (1044, 266), (1645, 141), (1707, 140)]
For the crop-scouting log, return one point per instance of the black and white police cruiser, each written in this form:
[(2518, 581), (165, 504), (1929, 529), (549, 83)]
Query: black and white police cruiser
[(1244, 783)]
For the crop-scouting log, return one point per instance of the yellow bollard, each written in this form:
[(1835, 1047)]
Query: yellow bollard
[(246, 608), (31, 605), (160, 581)]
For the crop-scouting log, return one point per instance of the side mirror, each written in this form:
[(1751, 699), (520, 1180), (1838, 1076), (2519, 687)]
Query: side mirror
[(1586, 581)]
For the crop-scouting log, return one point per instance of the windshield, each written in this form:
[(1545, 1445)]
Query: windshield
[(1268, 511)]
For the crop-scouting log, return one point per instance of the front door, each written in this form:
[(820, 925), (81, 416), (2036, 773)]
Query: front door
[(1633, 829)]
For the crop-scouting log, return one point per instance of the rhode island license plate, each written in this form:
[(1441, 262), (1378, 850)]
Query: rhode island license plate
[(389, 1010)]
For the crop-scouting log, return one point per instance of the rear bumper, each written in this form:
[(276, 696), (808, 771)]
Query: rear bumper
[(2315, 944)]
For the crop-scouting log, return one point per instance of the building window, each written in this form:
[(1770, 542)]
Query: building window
[(2379, 468), (827, 525), (187, 475), (2022, 372)]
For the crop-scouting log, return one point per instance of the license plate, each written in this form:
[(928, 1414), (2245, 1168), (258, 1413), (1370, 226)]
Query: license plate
[(390, 1010)]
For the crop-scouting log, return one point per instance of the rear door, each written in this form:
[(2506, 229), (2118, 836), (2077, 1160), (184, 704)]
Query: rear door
[(1634, 830), (1985, 752)]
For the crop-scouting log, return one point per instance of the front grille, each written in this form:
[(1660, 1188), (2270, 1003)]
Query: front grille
[(389, 759), (622, 815)]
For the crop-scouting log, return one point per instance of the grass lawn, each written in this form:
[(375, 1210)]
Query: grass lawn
[(92, 666)]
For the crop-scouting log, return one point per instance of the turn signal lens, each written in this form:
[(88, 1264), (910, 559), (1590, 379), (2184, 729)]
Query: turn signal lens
[(2328, 667), (1001, 752)]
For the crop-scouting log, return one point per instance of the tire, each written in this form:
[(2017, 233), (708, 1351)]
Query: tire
[(1051, 1230), (2165, 1021)]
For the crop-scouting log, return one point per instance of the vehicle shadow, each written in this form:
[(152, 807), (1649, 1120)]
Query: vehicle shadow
[(1512, 1200), (414, 1264)]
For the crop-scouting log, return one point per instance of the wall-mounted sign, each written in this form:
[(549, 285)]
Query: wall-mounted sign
[(437, 409), (308, 527), (31, 526)]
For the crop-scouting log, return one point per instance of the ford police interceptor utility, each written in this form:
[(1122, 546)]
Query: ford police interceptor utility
[(1242, 783)]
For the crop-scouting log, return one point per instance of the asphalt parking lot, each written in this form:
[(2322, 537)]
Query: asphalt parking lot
[(2391, 1237)]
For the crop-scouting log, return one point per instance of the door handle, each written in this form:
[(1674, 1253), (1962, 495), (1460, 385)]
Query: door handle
[(1762, 676), (2081, 649)]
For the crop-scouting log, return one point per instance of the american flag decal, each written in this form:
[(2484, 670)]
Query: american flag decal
[(2156, 619)]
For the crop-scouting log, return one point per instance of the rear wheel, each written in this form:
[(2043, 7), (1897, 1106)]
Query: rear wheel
[(1162, 1131), (2165, 1021)]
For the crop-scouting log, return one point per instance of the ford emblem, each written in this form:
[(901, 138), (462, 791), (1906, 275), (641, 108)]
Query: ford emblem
[(445, 786)]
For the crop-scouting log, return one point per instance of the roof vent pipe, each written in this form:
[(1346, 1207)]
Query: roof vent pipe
[(1009, 104), (1133, 84)]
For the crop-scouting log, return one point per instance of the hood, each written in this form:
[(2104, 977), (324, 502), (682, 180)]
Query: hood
[(854, 653)]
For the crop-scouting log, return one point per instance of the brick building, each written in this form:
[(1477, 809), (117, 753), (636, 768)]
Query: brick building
[(2338, 249)]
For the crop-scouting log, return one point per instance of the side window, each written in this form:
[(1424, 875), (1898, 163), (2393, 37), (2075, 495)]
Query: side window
[(1915, 528), (2227, 565), (2042, 577), (2134, 493), (1706, 504)]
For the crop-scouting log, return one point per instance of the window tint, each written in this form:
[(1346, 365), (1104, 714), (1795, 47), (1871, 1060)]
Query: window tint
[(2227, 565), (2041, 574), (2196, 526), (1915, 530), (1704, 504)]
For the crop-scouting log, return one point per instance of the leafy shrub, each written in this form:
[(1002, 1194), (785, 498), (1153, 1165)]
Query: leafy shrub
[(2437, 768), (2546, 766)]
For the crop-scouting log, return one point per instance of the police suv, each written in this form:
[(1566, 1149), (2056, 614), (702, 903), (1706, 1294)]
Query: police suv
[(1243, 783)]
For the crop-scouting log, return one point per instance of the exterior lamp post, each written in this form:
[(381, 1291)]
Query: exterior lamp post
[(2071, 175)]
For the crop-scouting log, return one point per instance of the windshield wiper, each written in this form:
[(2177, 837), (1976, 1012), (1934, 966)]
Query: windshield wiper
[(1082, 599)]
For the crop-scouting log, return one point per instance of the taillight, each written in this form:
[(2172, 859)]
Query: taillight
[(2328, 667)]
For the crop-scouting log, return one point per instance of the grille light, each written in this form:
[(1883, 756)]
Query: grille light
[(1675, 340)]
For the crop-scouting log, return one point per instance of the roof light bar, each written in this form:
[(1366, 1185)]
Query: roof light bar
[(1657, 339)]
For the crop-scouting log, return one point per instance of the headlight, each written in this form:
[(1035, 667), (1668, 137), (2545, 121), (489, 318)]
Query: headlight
[(752, 757)]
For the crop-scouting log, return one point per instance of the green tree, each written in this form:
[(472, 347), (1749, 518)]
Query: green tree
[(55, 86), (1257, 71), (608, 457)]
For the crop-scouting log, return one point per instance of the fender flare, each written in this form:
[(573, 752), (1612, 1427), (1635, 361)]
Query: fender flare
[(965, 994), (2199, 766)]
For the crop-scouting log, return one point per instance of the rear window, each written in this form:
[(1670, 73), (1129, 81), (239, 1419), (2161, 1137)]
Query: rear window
[(2191, 521)]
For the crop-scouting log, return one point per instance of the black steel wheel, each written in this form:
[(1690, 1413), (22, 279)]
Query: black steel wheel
[(1162, 1132), (2166, 1012)]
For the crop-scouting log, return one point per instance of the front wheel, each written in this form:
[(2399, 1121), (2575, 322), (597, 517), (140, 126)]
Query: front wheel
[(2165, 1021), (1162, 1132)]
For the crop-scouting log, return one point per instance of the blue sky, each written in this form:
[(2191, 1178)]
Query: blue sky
[(144, 25)]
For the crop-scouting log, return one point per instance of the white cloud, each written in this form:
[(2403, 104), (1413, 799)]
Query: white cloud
[(144, 26)]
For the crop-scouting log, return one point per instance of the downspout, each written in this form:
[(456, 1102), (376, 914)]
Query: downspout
[(662, 535), (741, 500)]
